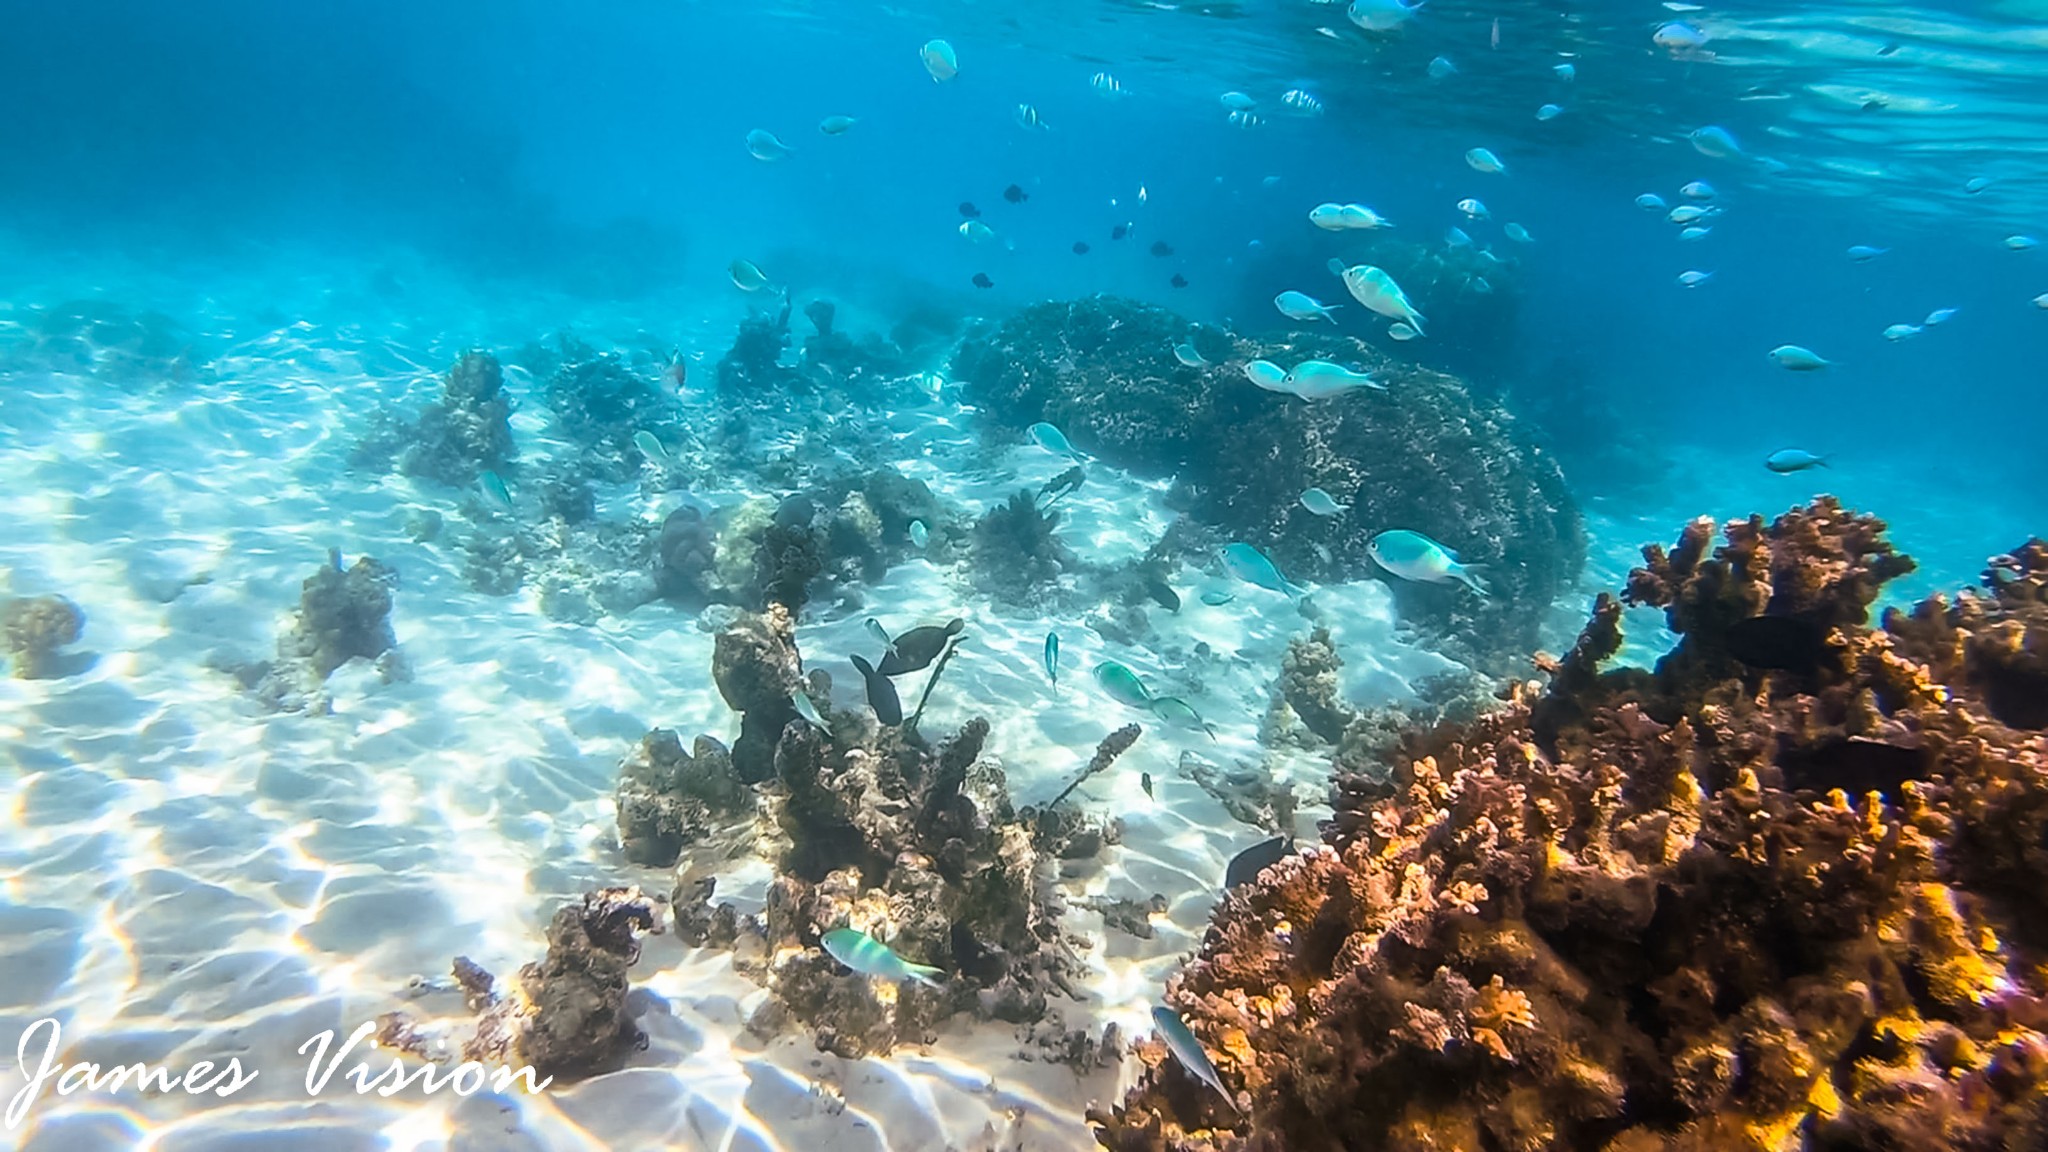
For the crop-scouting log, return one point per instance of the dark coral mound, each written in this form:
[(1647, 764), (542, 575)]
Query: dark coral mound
[(564, 1014), (1721, 906), (467, 431), (668, 798), (1425, 455), (914, 843)]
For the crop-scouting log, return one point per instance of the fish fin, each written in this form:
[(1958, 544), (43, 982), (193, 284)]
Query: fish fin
[(923, 973), (860, 663), (1822, 462), (1469, 575)]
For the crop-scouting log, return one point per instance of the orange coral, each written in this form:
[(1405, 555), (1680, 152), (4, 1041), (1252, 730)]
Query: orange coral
[(1777, 894)]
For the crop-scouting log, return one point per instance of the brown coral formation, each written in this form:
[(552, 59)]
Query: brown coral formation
[(668, 799), (1781, 893), (566, 1014), (33, 628)]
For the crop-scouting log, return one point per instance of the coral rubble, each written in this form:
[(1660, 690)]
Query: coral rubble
[(33, 628), (1780, 893), (1425, 455)]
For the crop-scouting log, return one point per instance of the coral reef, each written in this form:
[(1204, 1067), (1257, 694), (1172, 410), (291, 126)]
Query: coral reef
[(1424, 455), (33, 628), (1779, 893), (565, 1015), (344, 614), (600, 402), (467, 431), (668, 799), (755, 665), (917, 845)]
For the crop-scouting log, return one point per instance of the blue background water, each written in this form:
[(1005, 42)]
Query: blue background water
[(597, 150)]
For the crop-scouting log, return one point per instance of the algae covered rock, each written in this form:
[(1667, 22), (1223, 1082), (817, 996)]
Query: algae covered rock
[(1425, 454), (33, 629)]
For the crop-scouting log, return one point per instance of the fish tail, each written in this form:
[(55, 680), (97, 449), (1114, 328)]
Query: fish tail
[(1469, 575), (923, 973)]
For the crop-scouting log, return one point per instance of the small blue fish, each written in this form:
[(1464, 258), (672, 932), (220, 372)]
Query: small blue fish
[(1052, 658), (1413, 556), (649, 446), (801, 700), (1322, 503), (1786, 461), (880, 633), (1216, 599), (1864, 253), (1941, 316), (1549, 112), (1189, 1051), (762, 145), (1798, 359), (1715, 141), (1122, 684), (870, 957), (1175, 710), (1053, 440), (494, 490), (1254, 567), (919, 534)]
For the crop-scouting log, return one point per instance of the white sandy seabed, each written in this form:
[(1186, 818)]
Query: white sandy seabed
[(190, 878)]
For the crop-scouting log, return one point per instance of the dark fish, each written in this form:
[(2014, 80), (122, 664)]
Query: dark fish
[(1163, 594), (1246, 865), (1015, 195), (1178, 281), (881, 693), (1783, 643), (968, 210), (1889, 48), (1080, 247), (1161, 248), (917, 648), (1145, 782), (1120, 231), (981, 280)]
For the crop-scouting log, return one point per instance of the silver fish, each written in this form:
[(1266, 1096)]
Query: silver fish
[(1188, 1051)]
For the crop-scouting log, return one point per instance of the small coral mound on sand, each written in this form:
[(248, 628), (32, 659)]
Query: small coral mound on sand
[(344, 613), (668, 798), (1783, 892), (33, 628), (564, 1015)]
